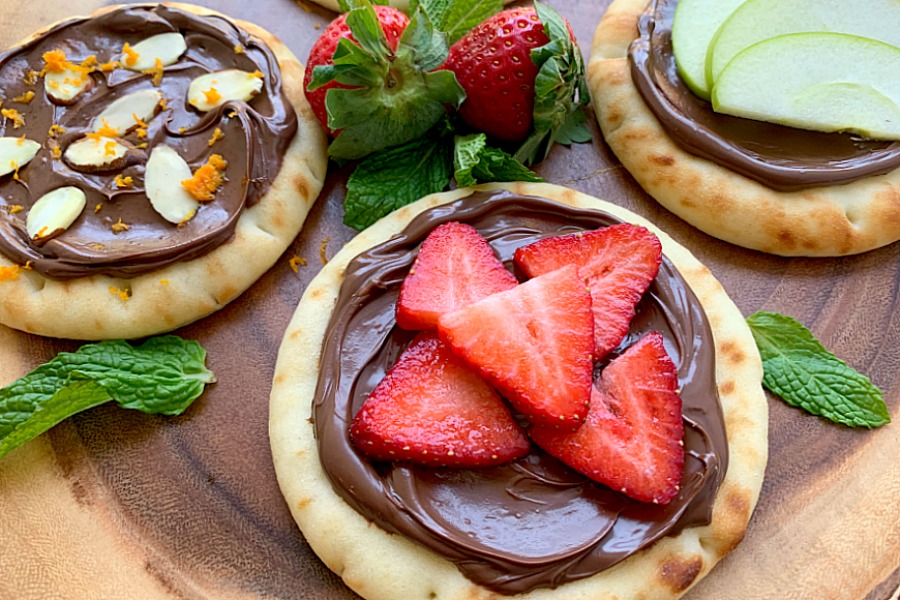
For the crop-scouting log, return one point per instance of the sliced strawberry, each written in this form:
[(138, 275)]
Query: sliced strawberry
[(619, 263), (432, 409), (454, 268), (632, 438), (533, 343)]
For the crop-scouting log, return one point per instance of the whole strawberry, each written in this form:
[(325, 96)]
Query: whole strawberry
[(372, 78), (393, 23), (524, 80)]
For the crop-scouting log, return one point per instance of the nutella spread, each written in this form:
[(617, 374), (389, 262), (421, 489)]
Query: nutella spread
[(533, 522), (783, 158), (119, 233)]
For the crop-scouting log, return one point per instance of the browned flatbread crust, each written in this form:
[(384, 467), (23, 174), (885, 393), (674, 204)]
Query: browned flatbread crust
[(178, 294), (825, 221), (380, 566)]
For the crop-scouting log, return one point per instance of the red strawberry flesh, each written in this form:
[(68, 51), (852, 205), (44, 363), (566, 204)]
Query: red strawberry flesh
[(533, 343), (493, 64), (618, 262), (454, 268), (432, 409), (631, 440)]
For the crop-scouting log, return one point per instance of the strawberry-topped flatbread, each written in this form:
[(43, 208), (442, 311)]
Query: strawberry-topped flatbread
[(445, 422)]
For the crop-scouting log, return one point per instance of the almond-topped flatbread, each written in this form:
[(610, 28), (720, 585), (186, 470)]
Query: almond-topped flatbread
[(176, 156), (831, 215), (529, 529)]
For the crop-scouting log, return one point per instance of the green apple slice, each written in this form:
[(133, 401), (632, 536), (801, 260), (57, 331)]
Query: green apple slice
[(820, 81), (757, 20), (693, 27)]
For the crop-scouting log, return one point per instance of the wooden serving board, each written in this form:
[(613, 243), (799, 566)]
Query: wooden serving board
[(116, 504)]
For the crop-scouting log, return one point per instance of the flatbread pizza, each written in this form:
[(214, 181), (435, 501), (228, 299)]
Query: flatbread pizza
[(337, 497), (176, 204), (721, 189)]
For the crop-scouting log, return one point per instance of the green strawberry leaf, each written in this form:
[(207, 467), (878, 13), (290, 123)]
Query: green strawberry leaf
[(559, 91), (457, 17), (394, 177), (474, 161), (399, 97), (798, 369), (164, 375)]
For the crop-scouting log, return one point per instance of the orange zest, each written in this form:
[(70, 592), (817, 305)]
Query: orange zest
[(131, 57), (14, 116), (207, 180), (9, 273), (212, 96)]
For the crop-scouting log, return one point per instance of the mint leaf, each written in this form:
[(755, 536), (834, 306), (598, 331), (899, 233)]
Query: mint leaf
[(457, 17), (797, 368), (474, 161), (395, 177), (164, 375), (560, 91)]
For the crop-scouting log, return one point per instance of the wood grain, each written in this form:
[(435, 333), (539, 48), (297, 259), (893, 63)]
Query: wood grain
[(114, 504)]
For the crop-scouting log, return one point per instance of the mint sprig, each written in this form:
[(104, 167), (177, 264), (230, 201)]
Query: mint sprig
[(798, 369), (457, 17), (475, 161), (164, 375)]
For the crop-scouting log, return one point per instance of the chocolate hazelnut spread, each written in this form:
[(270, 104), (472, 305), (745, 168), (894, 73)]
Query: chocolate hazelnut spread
[(252, 138), (533, 522), (783, 158)]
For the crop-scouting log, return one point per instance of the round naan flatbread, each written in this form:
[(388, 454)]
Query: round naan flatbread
[(101, 306), (832, 220), (383, 566)]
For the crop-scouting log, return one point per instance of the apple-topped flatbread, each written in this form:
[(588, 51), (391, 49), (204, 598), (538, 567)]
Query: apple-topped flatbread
[(157, 159), (517, 389), (775, 132)]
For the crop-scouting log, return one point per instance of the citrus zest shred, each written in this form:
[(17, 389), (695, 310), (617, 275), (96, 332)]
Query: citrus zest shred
[(216, 136), (123, 181), (164, 282), (187, 218), (207, 180), (163, 104), (212, 95), (119, 226), (56, 130), (296, 262), (106, 130), (55, 61), (55, 150), (109, 148), (156, 71), (238, 49), (14, 116), (14, 208), (123, 294), (31, 76), (257, 74), (25, 98), (322, 247), (98, 207), (131, 57), (110, 66), (10, 273)]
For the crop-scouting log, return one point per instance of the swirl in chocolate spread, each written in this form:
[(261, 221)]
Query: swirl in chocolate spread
[(254, 138), (783, 158), (534, 522)]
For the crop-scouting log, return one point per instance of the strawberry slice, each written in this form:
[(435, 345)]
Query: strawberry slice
[(455, 267), (619, 263), (632, 438), (432, 409), (533, 343)]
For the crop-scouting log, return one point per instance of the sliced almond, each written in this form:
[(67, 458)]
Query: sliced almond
[(54, 212), (15, 153), (162, 184), (126, 113), (214, 89), (167, 47), (92, 154), (64, 87)]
